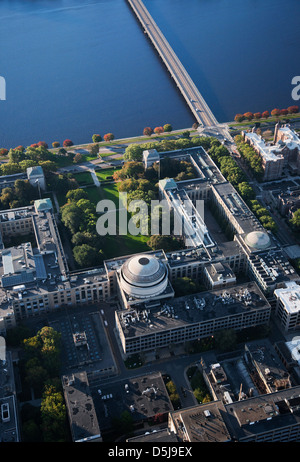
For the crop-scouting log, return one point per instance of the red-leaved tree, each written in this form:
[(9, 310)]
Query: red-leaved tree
[(67, 143), (248, 115), (108, 137), (239, 117), (147, 131), (275, 112), (43, 143), (159, 130), (293, 109)]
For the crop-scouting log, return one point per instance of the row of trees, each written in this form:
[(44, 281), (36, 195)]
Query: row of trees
[(252, 158), (79, 217), (135, 151), (265, 114), (148, 131), (234, 174), (41, 370)]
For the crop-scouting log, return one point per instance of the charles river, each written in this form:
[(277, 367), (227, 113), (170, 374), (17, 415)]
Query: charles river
[(78, 67)]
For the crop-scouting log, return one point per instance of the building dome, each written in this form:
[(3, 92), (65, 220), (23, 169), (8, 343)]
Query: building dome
[(143, 276), (258, 240)]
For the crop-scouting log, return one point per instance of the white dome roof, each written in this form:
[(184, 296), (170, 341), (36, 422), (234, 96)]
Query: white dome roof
[(143, 266), (258, 240), (143, 276)]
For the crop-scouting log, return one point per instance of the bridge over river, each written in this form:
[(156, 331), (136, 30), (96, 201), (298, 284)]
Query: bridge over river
[(185, 84)]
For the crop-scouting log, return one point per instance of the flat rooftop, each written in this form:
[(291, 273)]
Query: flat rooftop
[(264, 413), (203, 423), (155, 436), (82, 415), (290, 297), (273, 267), (197, 308), (143, 396), (237, 207)]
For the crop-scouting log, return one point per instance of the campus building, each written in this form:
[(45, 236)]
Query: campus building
[(35, 278), (282, 152), (192, 317), (34, 175)]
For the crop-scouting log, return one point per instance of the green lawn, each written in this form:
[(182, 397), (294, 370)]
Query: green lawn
[(83, 178), (110, 191), (104, 172)]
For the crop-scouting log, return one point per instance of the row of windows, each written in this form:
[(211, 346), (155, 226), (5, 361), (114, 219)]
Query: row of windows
[(165, 338)]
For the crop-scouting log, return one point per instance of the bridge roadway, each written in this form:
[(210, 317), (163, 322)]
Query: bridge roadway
[(188, 89)]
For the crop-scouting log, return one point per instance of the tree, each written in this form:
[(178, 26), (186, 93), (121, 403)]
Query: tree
[(96, 138), (76, 194), (284, 112), (226, 339), (246, 191), (239, 118), (275, 112), (55, 144), (167, 127), (295, 221), (78, 158), (185, 134), (133, 152), (293, 109), (43, 143), (257, 115), (265, 114), (48, 166), (167, 243), (248, 115), (109, 137), (53, 414), (71, 217), (15, 156), (24, 191), (147, 131), (185, 286), (86, 255), (94, 149), (158, 130), (67, 143), (3, 152)]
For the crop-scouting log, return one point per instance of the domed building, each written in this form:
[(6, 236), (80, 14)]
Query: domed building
[(258, 240), (143, 276)]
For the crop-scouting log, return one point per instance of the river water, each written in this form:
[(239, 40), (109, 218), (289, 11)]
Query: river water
[(78, 67)]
